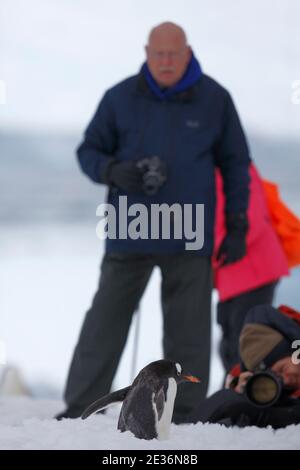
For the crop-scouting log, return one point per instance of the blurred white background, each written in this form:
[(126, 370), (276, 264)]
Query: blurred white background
[(56, 60)]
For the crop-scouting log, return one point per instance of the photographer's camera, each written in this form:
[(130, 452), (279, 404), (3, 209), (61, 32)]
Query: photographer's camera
[(154, 174), (264, 388)]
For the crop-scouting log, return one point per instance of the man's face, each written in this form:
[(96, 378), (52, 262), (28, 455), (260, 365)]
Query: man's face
[(167, 58), (289, 372)]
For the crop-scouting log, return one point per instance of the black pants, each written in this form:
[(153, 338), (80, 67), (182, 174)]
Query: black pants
[(186, 303), (231, 315)]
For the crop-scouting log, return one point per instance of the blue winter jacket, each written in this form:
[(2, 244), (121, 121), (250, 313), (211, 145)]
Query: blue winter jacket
[(192, 131)]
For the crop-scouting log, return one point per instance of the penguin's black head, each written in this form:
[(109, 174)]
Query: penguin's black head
[(164, 369), (180, 377)]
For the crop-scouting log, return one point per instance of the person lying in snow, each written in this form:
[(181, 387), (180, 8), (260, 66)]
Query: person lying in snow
[(264, 388)]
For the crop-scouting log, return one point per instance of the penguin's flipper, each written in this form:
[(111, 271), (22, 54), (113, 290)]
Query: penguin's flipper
[(159, 401), (104, 402)]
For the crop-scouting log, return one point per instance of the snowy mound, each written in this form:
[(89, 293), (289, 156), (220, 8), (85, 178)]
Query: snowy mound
[(29, 424)]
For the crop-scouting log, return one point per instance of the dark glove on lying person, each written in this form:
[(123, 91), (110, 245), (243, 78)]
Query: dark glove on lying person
[(233, 246)]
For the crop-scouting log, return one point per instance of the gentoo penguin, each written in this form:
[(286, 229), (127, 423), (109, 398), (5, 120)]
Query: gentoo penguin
[(149, 402)]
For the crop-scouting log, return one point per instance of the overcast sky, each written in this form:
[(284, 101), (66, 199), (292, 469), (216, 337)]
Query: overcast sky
[(57, 57)]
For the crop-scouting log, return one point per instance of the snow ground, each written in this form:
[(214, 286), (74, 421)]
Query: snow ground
[(28, 424)]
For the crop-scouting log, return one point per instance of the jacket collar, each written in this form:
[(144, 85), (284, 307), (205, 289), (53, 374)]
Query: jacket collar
[(142, 88)]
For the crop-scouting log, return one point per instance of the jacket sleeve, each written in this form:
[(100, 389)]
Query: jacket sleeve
[(96, 152), (232, 157)]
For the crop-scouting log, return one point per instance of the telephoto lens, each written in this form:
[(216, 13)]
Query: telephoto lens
[(264, 388)]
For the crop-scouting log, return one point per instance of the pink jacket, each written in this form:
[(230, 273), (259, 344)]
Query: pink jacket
[(265, 260)]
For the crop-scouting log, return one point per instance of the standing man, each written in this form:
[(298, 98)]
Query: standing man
[(173, 111)]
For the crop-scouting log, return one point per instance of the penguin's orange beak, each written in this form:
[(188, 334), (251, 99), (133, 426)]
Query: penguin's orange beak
[(191, 378)]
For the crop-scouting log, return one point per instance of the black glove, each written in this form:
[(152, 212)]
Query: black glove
[(125, 175), (233, 246)]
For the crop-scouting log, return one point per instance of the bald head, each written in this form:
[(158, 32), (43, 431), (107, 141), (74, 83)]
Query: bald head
[(167, 29), (167, 53)]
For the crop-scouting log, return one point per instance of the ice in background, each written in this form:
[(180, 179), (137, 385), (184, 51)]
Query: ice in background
[(56, 59)]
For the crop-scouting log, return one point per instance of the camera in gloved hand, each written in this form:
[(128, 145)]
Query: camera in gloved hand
[(154, 174), (146, 175)]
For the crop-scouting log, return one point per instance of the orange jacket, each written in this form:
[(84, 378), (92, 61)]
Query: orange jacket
[(285, 223)]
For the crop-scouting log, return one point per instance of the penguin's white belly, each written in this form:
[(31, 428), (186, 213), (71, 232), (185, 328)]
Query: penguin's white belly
[(163, 424)]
